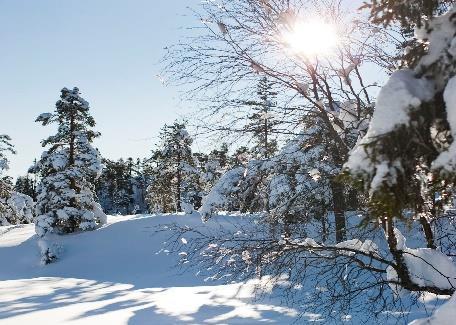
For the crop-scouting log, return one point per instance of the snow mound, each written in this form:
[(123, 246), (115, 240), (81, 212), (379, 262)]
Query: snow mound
[(427, 267), (445, 315)]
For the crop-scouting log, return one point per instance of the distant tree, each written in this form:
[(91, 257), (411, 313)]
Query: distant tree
[(261, 121), (26, 185), (173, 167), (115, 188), (66, 200), (212, 166), (121, 187)]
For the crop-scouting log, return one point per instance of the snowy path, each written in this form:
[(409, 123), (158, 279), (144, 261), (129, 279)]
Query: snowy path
[(114, 276)]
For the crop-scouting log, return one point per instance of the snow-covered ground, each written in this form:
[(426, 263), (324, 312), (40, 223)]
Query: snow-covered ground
[(114, 276)]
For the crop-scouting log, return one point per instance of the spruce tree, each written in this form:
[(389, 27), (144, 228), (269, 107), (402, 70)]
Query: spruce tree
[(66, 201), (213, 166), (409, 14)]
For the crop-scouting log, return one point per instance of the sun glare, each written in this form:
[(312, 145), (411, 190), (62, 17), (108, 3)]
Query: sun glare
[(311, 38)]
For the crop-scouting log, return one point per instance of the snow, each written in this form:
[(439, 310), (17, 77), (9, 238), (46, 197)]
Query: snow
[(367, 246), (440, 32), (447, 159), (427, 267), (445, 315), (113, 275), (398, 98), (218, 197)]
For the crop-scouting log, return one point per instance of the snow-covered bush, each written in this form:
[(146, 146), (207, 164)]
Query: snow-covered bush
[(20, 209), (223, 195)]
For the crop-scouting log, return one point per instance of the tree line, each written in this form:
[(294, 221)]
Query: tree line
[(172, 179)]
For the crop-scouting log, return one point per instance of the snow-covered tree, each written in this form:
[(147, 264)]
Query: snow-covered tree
[(402, 165), (15, 208), (121, 187), (212, 166), (5, 182), (406, 161), (410, 14), (66, 200), (173, 182), (332, 89)]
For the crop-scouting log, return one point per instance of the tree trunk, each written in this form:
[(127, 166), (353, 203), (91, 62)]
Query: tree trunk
[(72, 140), (72, 224), (401, 267), (339, 210), (178, 183), (324, 230), (427, 232), (266, 153)]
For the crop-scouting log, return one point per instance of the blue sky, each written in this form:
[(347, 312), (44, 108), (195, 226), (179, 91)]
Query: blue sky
[(109, 49)]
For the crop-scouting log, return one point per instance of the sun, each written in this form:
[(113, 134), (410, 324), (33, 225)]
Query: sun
[(311, 38)]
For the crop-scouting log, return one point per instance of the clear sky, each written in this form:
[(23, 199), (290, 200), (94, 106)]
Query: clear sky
[(108, 48)]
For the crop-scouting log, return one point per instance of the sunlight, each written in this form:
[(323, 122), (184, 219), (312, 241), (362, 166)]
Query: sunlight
[(311, 38)]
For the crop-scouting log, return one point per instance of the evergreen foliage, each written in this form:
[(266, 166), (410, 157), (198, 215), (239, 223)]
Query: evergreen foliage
[(15, 208), (121, 187), (66, 200), (26, 185), (172, 172)]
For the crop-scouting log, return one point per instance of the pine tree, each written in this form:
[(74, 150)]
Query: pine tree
[(172, 169), (262, 122), (139, 182), (159, 195), (410, 14), (66, 201)]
